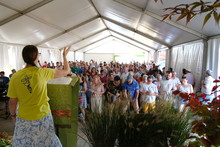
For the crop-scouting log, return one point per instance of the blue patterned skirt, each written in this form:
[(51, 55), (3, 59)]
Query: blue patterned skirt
[(35, 133)]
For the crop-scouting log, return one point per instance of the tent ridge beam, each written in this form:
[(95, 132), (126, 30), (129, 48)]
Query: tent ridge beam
[(87, 37), (21, 13), (157, 17), (68, 30), (92, 43), (136, 31), (94, 6), (130, 43), (97, 46), (132, 39)]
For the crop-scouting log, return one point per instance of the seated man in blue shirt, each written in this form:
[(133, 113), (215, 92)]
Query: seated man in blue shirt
[(131, 92), (3, 79)]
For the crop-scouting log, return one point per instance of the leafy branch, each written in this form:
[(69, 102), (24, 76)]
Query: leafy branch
[(189, 11)]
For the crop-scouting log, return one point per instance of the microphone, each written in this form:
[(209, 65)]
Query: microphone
[(39, 63)]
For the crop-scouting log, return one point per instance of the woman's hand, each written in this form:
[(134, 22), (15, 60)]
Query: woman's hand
[(66, 50), (13, 119)]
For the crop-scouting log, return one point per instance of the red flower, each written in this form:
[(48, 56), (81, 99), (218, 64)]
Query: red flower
[(203, 95), (192, 94), (184, 95), (176, 92), (205, 142), (215, 87), (216, 81), (206, 100)]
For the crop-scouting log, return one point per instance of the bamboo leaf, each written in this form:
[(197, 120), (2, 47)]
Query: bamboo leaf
[(181, 16), (207, 17), (215, 14), (188, 18), (216, 5)]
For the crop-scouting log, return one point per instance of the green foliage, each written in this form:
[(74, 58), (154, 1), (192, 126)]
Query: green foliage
[(157, 128), (5, 140)]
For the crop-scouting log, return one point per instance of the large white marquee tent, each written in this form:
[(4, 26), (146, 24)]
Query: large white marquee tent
[(100, 29)]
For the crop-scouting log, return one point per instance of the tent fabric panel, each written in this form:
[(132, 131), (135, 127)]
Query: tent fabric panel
[(90, 40), (132, 34), (89, 29), (5, 12), (131, 41), (117, 12), (148, 41), (65, 14), (61, 41), (164, 31), (118, 28), (95, 45), (25, 30), (20, 4), (116, 47), (140, 3)]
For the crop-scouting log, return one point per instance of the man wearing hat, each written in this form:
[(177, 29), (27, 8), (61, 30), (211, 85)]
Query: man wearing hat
[(131, 92), (207, 85)]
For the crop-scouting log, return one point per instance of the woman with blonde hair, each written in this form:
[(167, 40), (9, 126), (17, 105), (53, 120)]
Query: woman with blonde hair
[(97, 89)]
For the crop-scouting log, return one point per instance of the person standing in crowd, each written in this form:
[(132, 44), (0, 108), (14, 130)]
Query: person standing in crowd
[(124, 75), (93, 72), (157, 82), (166, 87), (88, 93), (176, 80), (82, 94), (13, 71), (131, 92), (116, 72), (110, 78), (74, 68), (45, 64), (148, 92), (207, 85), (189, 76), (103, 78), (184, 87), (97, 90), (114, 90), (34, 123), (3, 78)]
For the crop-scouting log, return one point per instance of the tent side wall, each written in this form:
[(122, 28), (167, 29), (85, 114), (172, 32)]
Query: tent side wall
[(99, 57), (11, 57)]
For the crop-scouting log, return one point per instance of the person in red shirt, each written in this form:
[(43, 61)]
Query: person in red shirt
[(103, 78), (45, 64), (93, 72)]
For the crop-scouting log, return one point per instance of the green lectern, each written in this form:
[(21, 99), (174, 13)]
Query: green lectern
[(64, 107)]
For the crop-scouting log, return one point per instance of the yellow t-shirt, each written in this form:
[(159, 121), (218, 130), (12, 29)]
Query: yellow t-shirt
[(29, 86)]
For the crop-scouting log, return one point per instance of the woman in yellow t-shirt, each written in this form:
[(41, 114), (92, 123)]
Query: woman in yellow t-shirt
[(28, 88)]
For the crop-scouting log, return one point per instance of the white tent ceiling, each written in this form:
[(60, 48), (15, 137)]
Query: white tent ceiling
[(87, 24)]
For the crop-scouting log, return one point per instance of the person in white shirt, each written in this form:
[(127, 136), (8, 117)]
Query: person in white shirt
[(190, 78), (176, 80), (184, 87), (124, 75), (148, 92), (207, 85), (166, 87)]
